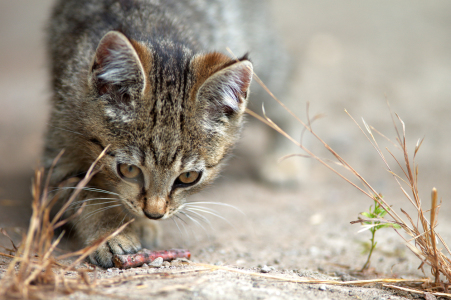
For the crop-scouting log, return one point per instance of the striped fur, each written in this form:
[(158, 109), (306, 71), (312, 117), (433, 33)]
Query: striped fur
[(142, 79)]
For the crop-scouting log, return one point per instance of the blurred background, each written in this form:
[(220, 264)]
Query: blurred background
[(353, 55)]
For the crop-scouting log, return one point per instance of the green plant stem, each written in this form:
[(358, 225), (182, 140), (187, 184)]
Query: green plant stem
[(373, 245)]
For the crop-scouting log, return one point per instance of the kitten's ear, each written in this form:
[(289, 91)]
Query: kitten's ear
[(117, 68), (226, 90)]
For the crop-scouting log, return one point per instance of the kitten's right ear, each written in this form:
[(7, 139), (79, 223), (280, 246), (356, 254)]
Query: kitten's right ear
[(117, 68)]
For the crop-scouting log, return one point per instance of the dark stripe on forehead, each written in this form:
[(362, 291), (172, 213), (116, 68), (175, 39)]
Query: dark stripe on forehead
[(171, 160), (143, 156), (183, 91)]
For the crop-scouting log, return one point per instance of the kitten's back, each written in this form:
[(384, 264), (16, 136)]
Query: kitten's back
[(214, 25)]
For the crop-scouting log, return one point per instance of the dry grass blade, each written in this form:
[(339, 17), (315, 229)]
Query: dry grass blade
[(422, 231), (315, 281), (31, 272), (3, 231)]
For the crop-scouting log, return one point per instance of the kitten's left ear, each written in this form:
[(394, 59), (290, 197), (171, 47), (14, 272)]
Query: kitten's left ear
[(117, 68), (226, 90)]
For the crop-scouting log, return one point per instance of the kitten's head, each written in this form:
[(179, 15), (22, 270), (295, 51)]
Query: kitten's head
[(171, 117)]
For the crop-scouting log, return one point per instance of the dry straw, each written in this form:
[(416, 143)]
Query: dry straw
[(422, 235), (34, 269)]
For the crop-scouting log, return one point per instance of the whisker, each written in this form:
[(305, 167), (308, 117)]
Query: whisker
[(184, 227), (122, 221), (93, 199), (89, 189), (90, 214), (192, 209), (202, 207), (98, 211), (195, 221), (217, 203), (205, 219), (180, 231), (101, 203)]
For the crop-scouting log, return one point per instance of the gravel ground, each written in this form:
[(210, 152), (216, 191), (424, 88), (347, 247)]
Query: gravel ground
[(351, 55)]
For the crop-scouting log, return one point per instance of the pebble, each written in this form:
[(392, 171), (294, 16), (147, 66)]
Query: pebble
[(145, 266), (156, 263), (176, 263), (322, 287), (266, 269), (109, 271), (347, 277)]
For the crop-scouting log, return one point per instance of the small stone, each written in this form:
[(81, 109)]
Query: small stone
[(156, 263), (322, 287), (265, 269), (109, 271), (429, 296), (145, 266), (347, 277), (166, 264), (176, 263)]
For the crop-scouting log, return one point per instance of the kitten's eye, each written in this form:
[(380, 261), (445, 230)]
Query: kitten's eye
[(188, 177), (129, 171)]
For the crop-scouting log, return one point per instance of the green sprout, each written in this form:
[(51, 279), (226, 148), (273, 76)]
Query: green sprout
[(377, 214)]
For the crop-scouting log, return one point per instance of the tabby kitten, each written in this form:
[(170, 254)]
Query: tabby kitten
[(144, 78)]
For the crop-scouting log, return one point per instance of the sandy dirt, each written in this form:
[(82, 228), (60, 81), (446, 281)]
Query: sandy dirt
[(351, 55)]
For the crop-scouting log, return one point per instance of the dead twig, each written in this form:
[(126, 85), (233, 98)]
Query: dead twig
[(146, 256)]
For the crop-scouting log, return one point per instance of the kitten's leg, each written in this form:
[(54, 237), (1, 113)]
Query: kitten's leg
[(149, 232), (101, 216)]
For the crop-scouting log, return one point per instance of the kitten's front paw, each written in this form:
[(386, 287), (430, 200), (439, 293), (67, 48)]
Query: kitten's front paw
[(120, 244)]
